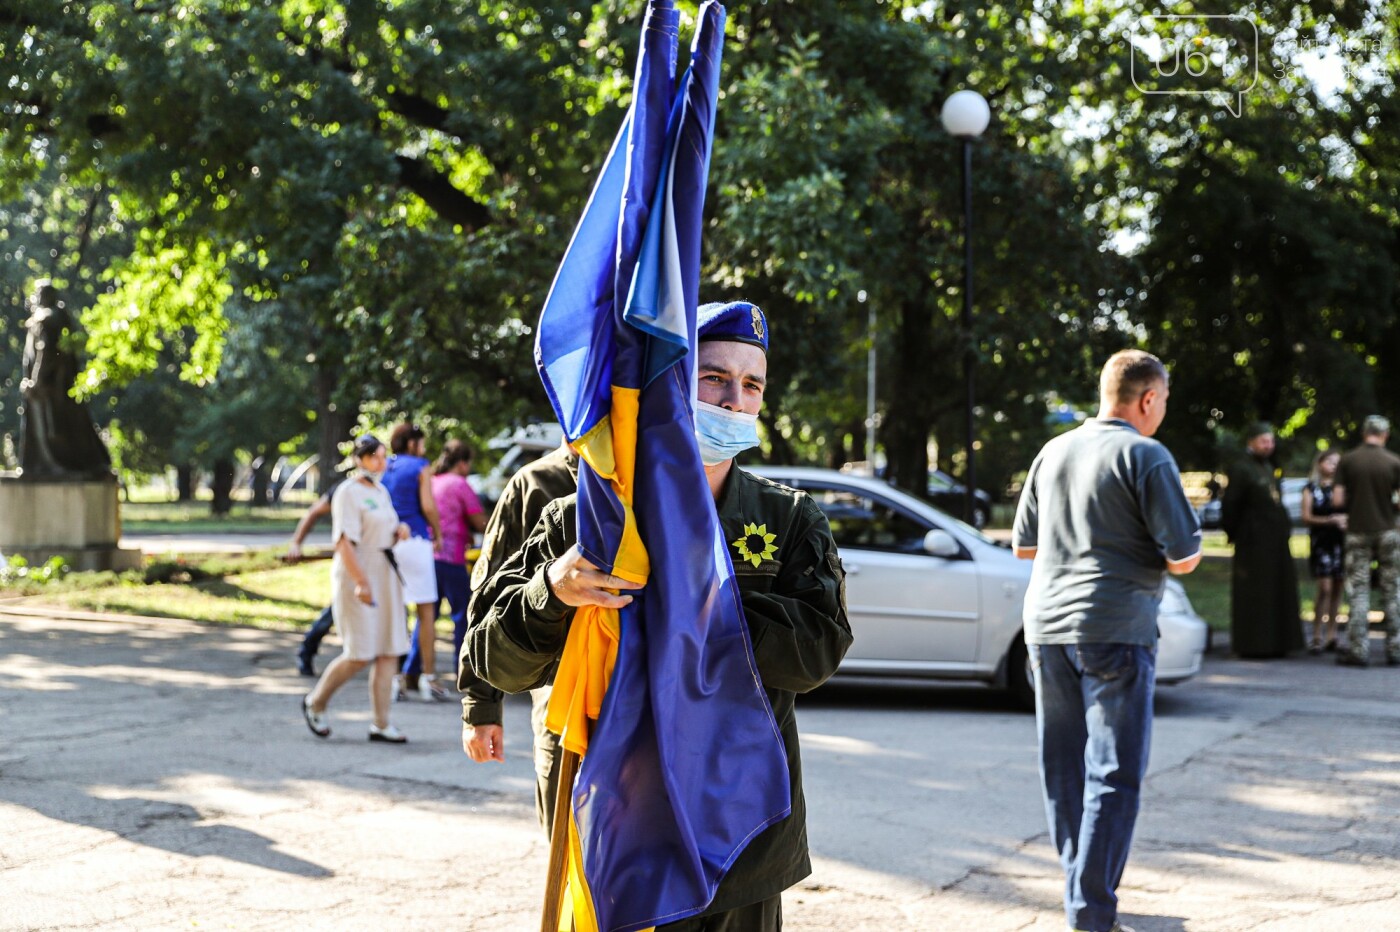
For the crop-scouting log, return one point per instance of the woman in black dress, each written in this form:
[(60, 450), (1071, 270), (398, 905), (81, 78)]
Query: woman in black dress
[(1327, 527)]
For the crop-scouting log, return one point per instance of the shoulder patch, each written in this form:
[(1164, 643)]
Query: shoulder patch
[(756, 545)]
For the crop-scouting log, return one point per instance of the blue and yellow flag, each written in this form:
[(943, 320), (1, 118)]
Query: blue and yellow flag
[(683, 762)]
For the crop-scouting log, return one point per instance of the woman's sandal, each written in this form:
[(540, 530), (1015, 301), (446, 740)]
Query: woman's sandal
[(430, 690), (388, 733), (316, 721)]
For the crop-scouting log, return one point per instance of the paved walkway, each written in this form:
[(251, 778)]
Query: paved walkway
[(156, 775)]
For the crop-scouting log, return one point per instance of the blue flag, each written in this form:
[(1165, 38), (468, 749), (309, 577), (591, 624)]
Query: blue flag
[(684, 764)]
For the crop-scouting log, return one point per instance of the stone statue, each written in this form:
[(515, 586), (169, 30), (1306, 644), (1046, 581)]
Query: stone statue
[(59, 440)]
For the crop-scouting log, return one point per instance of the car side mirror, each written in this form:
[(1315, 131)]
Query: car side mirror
[(941, 544)]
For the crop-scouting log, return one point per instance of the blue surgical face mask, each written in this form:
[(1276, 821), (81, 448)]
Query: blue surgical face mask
[(723, 434)]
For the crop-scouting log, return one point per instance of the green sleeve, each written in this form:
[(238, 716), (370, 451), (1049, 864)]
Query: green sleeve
[(799, 628), (521, 504), (516, 627), (505, 532), (482, 702)]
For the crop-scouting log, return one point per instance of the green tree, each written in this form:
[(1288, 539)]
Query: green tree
[(371, 199), (49, 228), (301, 156), (835, 177), (1268, 251)]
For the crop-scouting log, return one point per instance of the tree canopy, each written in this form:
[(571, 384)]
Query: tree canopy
[(275, 215)]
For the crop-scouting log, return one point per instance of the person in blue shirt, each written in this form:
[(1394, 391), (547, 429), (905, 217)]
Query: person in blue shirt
[(409, 480)]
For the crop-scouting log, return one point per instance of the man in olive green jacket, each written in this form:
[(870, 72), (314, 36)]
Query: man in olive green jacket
[(790, 581)]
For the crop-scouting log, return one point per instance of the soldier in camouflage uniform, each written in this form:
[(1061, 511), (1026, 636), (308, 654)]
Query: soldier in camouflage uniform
[(1361, 549), (1367, 481)]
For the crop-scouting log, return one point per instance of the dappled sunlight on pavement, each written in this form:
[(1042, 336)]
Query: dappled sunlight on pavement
[(157, 774)]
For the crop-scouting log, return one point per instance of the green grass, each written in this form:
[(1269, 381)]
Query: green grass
[(256, 589), (194, 518), (1208, 588), (1213, 543), (168, 568), (281, 598)]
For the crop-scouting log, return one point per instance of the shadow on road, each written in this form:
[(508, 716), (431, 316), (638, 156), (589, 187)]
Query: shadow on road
[(1251, 788), (171, 736), (175, 827), (1154, 923), (183, 738)]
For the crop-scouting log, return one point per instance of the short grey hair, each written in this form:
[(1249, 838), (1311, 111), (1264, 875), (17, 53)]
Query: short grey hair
[(1375, 425), (1128, 374)]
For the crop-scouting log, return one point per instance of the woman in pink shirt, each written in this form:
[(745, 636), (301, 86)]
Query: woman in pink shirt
[(461, 514)]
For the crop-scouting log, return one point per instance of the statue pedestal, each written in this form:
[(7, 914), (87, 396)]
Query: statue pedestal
[(75, 520)]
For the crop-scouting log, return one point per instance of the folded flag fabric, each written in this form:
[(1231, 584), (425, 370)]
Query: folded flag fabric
[(683, 762)]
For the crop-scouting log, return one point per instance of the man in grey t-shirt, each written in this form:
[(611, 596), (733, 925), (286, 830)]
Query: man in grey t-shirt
[(1104, 517)]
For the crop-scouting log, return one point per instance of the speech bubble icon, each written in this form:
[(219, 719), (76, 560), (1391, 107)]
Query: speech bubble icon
[(1210, 55)]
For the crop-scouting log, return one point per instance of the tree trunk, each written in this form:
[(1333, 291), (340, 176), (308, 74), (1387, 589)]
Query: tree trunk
[(780, 451), (184, 483), (911, 412), (855, 452), (333, 421), (223, 487)]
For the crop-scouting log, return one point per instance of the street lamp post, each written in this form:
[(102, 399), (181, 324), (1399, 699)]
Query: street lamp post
[(869, 387), (965, 115)]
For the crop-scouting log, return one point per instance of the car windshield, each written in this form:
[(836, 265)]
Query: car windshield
[(873, 519), (869, 523), (972, 531)]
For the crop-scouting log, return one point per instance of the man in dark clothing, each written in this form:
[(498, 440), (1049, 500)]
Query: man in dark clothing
[(1367, 480), (789, 578), (552, 476), (1265, 621)]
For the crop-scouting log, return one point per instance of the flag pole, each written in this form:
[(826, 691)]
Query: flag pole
[(559, 842)]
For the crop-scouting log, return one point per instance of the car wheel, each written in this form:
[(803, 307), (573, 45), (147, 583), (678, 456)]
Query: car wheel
[(1020, 681)]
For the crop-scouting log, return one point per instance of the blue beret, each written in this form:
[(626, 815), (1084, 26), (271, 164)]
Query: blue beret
[(738, 320)]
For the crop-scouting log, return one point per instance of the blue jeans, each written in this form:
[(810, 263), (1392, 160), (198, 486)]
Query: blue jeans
[(311, 643), (455, 585), (1093, 715)]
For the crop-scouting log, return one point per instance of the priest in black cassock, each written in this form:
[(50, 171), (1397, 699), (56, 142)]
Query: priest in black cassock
[(1264, 617)]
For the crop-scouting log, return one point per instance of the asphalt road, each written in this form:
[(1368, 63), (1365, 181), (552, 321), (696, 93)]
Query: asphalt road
[(157, 775)]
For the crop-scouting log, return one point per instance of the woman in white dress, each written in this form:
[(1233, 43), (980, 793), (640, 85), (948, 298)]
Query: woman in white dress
[(366, 594)]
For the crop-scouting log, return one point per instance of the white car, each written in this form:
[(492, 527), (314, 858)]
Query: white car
[(931, 598), (522, 446), (1291, 494)]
